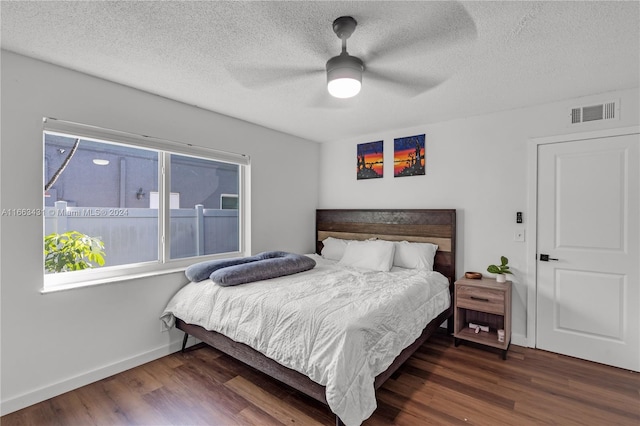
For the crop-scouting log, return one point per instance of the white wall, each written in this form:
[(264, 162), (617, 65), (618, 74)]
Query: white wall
[(55, 342), (477, 165)]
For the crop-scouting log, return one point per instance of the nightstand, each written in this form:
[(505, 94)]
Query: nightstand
[(487, 303)]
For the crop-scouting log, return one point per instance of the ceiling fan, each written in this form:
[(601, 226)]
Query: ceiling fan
[(346, 74)]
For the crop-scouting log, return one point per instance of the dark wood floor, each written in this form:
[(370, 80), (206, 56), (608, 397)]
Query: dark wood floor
[(440, 384)]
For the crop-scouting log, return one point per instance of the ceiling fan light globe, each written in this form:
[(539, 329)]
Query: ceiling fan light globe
[(344, 76), (344, 87)]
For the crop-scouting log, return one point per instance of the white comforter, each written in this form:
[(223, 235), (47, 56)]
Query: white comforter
[(338, 325)]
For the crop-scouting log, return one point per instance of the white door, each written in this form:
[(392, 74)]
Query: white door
[(588, 292)]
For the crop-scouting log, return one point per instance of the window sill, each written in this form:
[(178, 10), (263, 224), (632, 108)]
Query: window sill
[(103, 281)]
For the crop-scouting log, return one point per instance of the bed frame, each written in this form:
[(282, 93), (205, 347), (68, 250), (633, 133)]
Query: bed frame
[(433, 226)]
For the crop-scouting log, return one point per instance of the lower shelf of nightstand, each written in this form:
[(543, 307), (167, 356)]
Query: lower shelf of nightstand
[(484, 338)]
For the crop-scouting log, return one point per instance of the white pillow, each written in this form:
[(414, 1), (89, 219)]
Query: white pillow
[(375, 255), (414, 255), (333, 248)]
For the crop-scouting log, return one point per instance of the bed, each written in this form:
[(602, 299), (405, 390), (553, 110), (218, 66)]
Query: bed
[(351, 402)]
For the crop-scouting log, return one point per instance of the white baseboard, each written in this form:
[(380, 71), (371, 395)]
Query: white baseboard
[(42, 394)]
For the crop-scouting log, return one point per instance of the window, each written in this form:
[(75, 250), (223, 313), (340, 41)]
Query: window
[(199, 227), (117, 204), (229, 201)]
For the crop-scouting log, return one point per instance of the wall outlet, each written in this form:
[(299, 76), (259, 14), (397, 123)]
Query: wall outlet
[(518, 235)]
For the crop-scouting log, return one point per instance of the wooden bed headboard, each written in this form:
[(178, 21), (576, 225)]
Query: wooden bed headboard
[(414, 225)]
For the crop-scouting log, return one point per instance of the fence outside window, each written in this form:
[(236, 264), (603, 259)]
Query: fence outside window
[(130, 234)]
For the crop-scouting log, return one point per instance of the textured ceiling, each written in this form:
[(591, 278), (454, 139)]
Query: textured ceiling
[(263, 62)]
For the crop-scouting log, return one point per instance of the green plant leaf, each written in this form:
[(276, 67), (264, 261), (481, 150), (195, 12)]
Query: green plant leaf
[(503, 268), (72, 251)]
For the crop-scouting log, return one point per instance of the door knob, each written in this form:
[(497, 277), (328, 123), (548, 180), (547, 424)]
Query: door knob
[(546, 258)]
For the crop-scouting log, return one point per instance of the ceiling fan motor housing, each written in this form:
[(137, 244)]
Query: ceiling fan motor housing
[(344, 66)]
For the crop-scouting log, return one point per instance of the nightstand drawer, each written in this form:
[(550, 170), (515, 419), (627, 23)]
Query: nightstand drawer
[(480, 299)]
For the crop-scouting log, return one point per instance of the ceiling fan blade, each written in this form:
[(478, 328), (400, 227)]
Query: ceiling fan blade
[(263, 77), (448, 23), (409, 85), (300, 29), (324, 100)]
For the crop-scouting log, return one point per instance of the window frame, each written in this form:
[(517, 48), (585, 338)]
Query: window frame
[(164, 264)]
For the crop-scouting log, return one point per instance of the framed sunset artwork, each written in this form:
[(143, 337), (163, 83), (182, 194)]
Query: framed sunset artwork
[(370, 160), (409, 156)]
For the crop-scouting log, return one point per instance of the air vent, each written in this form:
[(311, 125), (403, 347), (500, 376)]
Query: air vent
[(584, 114)]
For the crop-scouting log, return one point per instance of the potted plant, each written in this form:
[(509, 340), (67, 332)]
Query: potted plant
[(500, 270)]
